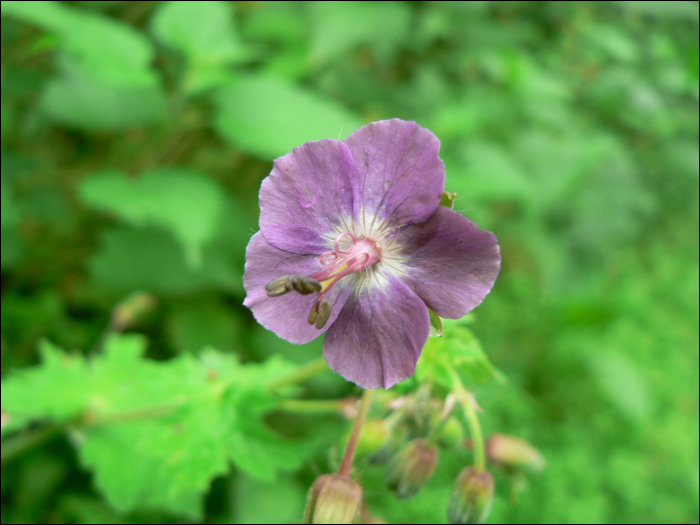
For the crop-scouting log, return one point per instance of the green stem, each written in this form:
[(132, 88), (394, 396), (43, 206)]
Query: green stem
[(303, 406), (26, 440), (298, 375), (349, 456), (435, 431), (465, 399)]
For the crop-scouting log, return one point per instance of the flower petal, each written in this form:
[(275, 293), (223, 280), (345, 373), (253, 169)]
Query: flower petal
[(379, 335), (286, 315), (306, 197), (400, 174), (451, 264)]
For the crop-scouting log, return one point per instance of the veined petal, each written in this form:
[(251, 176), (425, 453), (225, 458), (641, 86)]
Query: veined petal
[(307, 196), (400, 174), (379, 335), (451, 264), (286, 315)]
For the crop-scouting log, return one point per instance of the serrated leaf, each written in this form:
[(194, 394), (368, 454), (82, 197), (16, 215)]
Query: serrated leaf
[(268, 117), (102, 47), (185, 202), (24, 394), (156, 433), (457, 350)]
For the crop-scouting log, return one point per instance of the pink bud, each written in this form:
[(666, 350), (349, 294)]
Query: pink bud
[(471, 497), (411, 468), (333, 499), (513, 453)]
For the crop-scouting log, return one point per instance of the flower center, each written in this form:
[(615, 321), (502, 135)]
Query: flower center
[(357, 255)]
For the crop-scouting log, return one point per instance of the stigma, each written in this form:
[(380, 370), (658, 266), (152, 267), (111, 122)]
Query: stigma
[(349, 255)]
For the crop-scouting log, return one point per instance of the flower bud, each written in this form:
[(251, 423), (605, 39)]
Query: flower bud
[(513, 453), (411, 468), (470, 501), (130, 310), (333, 499)]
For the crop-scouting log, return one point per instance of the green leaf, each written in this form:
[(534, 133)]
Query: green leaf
[(267, 117), (156, 433), (79, 100), (185, 202), (487, 170), (619, 379), (205, 34), (457, 350), (201, 31), (341, 26), (151, 260), (24, 396), (114, 52)]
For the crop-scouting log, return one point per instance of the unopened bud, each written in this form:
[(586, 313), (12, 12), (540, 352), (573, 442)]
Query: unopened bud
[(131, 310), (470, 501), (513, 453), (411, 468), (333, 499)]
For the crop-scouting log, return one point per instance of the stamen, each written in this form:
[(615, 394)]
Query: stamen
[(303, 284), (279, 286), (324, 312), (313, 314)]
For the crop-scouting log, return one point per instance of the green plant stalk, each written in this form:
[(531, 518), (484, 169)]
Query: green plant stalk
[(298, 375), (435, 431), (349, 455), (20, 443), (470, 414)]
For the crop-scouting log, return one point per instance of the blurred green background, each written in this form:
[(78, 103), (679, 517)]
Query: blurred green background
[(135, 136)]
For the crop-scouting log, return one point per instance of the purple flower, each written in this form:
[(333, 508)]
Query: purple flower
[(353, 243)]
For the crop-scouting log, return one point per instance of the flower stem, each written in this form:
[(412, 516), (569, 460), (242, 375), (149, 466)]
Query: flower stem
[(467, 401), (29, 439), (349, 455), (298, 375)]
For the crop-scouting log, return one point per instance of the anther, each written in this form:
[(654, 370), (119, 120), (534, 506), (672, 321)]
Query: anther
[(313, 314), (301, 283), (279, 286), (305, 285), (324, 312)]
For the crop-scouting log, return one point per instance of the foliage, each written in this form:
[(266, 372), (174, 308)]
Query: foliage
[(134, 139)]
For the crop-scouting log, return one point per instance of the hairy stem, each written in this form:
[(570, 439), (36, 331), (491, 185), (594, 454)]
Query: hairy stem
[(349, 455), (29, 439), (466, 400)]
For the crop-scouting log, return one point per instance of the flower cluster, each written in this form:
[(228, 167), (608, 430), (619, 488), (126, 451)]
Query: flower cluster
[(353, 242)]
